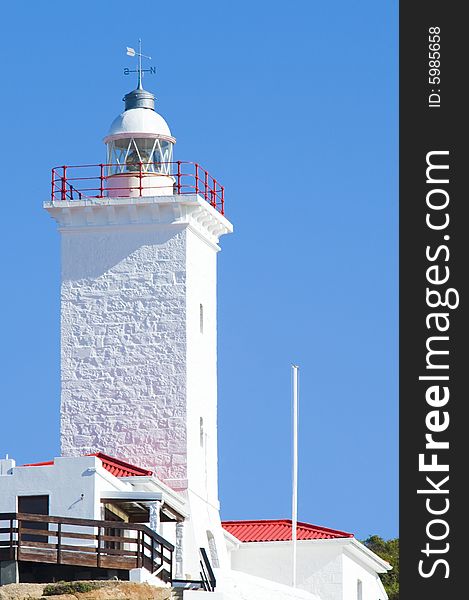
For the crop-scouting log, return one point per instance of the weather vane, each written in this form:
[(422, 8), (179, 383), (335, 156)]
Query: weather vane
[(139, 70)]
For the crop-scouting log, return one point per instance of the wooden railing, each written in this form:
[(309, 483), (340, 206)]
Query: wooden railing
[(84, 542)]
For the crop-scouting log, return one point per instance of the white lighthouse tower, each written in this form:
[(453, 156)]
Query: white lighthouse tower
[(139, 242)]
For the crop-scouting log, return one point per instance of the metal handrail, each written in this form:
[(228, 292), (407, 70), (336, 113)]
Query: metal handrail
[(74, 182), (207, 581), (208, 576)]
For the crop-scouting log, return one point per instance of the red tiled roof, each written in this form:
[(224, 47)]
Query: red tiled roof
[(115, 466), (120, 468), (279, 530)]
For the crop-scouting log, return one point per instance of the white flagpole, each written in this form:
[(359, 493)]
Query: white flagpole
[(294, 519)]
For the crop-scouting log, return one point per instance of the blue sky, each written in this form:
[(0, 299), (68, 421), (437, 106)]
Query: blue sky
[(293, 107)]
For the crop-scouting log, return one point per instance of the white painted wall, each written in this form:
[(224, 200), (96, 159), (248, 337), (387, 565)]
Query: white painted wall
[(372, 588), (324, 567), (319, 566), (202, 454), (74, 487), (201, 275)]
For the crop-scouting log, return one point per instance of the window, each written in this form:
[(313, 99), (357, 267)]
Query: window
[(201, 318), (359, 590), (212, 547)]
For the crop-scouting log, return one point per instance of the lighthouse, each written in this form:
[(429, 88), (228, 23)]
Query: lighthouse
[(139, 243)]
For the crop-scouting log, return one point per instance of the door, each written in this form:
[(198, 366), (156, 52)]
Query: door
[(36, 505)]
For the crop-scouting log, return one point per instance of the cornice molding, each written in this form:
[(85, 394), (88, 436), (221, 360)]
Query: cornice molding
[(104, 214)]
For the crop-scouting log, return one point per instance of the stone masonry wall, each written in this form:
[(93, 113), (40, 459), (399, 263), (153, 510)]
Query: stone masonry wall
[(124, 346)]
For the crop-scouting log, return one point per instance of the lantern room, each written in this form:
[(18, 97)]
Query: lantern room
[(139, 159), (139, 149)]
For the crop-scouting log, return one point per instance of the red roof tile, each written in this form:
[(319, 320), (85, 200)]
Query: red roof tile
[(279, 530), (115, 466), (120, 468)]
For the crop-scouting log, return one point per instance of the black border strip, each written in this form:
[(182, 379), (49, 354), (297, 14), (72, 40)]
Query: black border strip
[(433, 256)]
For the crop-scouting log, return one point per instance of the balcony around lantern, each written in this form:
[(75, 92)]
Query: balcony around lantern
[(133, 178)]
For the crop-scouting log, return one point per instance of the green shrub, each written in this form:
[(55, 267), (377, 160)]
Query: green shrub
[(69, 587)]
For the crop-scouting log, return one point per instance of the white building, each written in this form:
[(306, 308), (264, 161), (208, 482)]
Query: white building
[(331, 564), (139, 242)]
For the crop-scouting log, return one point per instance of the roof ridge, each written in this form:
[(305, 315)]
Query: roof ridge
[(279, 530), (116, 466), (255, 520)]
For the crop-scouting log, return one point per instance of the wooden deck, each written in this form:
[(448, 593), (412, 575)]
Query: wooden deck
[(84, 542)]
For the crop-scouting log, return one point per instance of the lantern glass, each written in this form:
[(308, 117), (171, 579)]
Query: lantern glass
[(146, 155)]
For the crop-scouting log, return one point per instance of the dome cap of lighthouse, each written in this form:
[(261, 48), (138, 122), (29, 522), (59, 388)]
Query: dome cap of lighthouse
[(139, 122)]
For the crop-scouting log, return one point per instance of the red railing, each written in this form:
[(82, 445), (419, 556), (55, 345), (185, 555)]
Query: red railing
[(75, 182)]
